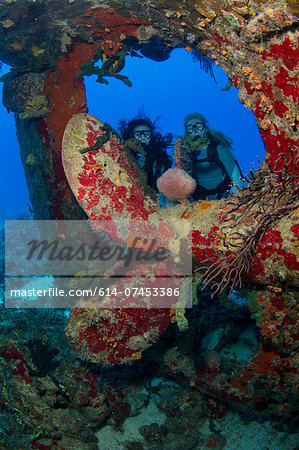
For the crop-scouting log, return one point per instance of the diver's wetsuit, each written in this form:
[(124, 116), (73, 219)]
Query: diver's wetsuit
[(213, 167)]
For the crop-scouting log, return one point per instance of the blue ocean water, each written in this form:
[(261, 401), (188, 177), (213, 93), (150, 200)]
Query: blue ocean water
[(13, 189), (167, 90), (171, 89)]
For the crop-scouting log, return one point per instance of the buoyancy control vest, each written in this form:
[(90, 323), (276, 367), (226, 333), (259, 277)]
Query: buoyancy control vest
[(213, 158), (201, 193)]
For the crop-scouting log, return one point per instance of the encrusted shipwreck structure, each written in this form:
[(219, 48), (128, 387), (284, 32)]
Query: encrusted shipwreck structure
[(251, 238)]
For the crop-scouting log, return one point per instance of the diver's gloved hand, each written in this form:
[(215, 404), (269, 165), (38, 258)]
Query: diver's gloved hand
[(141, 159)]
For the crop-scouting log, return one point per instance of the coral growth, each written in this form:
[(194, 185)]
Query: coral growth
[(112, 64), (270, 195), (133, 330), (20, 90), (35, 107)]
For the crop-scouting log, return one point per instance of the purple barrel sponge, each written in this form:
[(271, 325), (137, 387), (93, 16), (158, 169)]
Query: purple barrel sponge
[(176, 184)]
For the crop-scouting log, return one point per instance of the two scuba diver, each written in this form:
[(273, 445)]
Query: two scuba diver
[(205, 154)]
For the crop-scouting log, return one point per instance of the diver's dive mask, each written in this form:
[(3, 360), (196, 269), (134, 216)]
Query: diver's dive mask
[(142, 134), (195, 129)]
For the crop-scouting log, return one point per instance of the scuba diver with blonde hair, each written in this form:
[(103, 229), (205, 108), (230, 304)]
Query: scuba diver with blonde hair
[(206, 155)]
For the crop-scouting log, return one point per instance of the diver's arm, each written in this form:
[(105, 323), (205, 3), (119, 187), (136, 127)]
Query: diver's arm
[(140, 159), (236, 178), (232, 168)]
